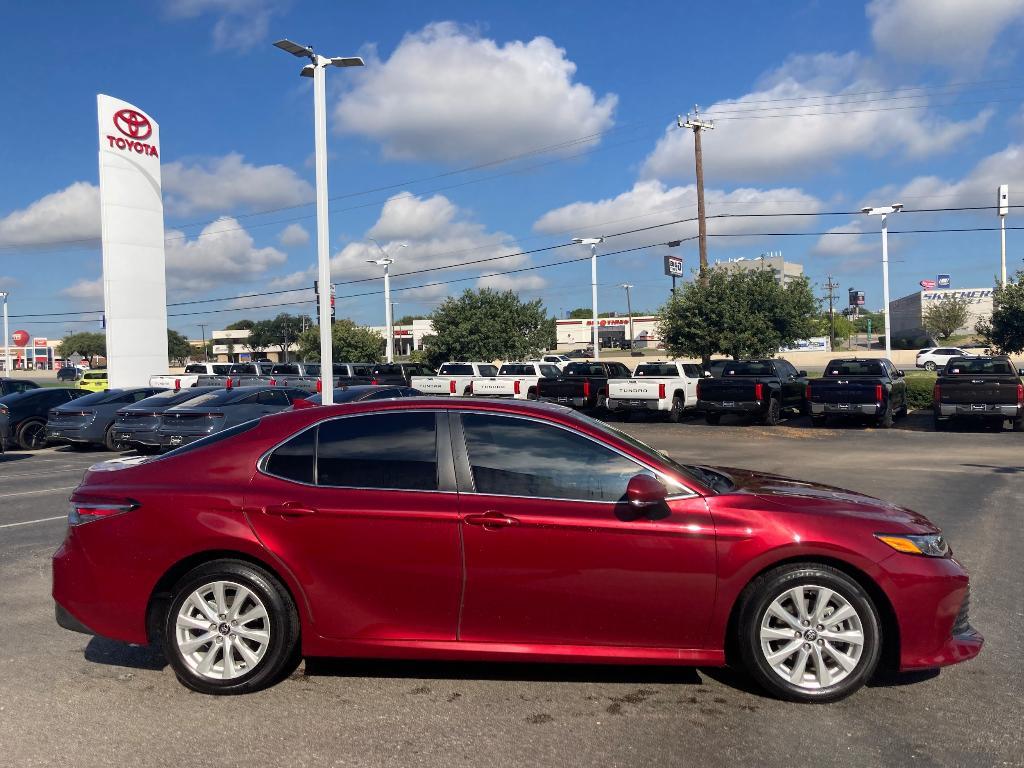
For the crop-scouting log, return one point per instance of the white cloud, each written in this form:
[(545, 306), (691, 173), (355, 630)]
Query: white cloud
[(949, 33), (813, 133), (7, 282), (524, 282), (301, 279), (84, 289), (293, 235), (447, 94), (850, 240), (223, 252), (73, 213), (239, 25), (630, 210), (222, 184)]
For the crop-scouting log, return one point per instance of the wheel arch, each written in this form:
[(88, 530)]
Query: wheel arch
[(886, 613)]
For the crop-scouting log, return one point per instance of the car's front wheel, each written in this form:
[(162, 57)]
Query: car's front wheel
[(809, 632), (230, 627), (929, 366)]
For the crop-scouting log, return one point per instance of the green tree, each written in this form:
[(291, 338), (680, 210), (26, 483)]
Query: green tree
[(240, 325), (178, 348), (741, 314), (408, 319), (1005, 330), (944, 318), (261, 336), (488, 325), (87, 344), (349, 343), (581, 313)]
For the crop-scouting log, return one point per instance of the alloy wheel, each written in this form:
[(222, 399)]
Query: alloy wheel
[(812, 637), (222, 630)]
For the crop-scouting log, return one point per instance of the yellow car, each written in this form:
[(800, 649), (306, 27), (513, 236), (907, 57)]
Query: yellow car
[(94, 381)]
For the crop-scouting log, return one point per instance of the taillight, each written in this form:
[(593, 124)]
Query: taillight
[(215, 415), (698, 390), (878, 392), (177, 384), (273, 382), (319, 386), (807, 392), (451, 386), (229, 383), (661, 391), (937, 393), (1020, 394), (83, 512), (374, 381), (758, 391), (586, 389), (515, 387)]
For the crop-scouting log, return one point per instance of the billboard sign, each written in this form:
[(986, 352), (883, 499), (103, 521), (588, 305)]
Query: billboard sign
[(20, 338), (132, 229), (928, 285), (674, 266), (38, 342), (943, 281), (856, 298)]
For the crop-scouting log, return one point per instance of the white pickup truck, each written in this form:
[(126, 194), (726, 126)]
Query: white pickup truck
[(664, 387), (515, 380), (453, 379), (191, 376)]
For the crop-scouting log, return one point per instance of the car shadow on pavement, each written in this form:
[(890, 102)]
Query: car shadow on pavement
[(510, 671), (997, 470), (116, 654), (6, 458)]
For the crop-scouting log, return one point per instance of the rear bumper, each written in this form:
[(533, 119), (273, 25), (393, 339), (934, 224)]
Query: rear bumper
[(623, 404), (575, 402), (859, 409), (66, 620), (66, 435), (175, 440), (728, 406), (979, 409)]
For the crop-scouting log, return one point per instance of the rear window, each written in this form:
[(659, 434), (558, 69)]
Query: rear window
[(516, 370), (169, 398), (460, 370), (751, 368), (584, 369), (978, 367), (656, 369), (95, 375), (854, 368), (285, 369), (98, 398), (195, 368), (242, 369), (213, 398)]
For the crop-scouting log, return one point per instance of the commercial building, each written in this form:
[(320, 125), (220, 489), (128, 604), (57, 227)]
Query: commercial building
[(37, 355), (407, 337), (612, 332), (785, 271), (906, 314)]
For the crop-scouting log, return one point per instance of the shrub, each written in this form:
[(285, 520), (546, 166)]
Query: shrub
[(919, 391)]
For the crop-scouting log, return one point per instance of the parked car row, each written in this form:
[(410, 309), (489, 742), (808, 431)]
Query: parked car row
[(305, 376)]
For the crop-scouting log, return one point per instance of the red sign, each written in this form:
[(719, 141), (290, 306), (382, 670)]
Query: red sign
[(132, 124), (20, 338), (927, 284), (38, 342)]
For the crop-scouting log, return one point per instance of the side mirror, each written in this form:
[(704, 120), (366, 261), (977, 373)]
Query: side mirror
[(708, 375), (1020, 371), (802, 374), (644, 491), (900, 373)]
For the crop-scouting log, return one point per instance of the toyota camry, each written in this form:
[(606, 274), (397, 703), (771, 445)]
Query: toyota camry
[(433, 528)]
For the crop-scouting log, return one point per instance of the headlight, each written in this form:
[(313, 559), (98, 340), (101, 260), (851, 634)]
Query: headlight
[(930, 545)]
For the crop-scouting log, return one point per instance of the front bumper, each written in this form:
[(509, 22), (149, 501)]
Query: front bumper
[(858, 409), (979, 409)]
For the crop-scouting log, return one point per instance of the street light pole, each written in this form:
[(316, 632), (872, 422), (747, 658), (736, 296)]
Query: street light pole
[(386, 261), (317, 70), (884, 212), (629, 313), (1003, 199), (593, 242), (7, 337)]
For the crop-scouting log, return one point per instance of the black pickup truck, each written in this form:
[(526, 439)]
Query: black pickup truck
[(582, 385), (756, 389), (874, 389), (980, 388), (398, 374)]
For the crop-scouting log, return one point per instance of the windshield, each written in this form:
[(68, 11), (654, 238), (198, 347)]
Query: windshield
[(854, 368), (979, 366), (750, 368)]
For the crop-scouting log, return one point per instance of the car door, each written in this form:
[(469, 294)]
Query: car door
[(554, 556), (362, 510), (899, 385), (693, 374)]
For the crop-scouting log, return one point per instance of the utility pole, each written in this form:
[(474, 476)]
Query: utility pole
[(202, 326), (697, 125), (1004, 208), (629, 312), (831, 311), (593, 242)]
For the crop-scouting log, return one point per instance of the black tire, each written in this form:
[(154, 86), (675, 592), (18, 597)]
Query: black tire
[(31, 434), (282, 623), (531, 393), (108, 439), (754, 605), (601, 404), (712, 418), (885, 421), (818, 421), (941, 424), (675, 415), (1017, 424), (774, 413), (929, 366)]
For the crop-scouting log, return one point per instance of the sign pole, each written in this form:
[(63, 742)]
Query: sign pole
[(7, 338), (322, 232)]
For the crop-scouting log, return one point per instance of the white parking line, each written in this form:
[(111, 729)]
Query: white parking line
[(31, 522), (41, 490), (55, 470)]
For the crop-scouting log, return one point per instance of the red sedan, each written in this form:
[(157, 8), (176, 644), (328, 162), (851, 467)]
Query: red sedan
[(455, 529)]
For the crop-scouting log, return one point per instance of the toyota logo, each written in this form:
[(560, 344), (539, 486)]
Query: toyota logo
[(132, 124)]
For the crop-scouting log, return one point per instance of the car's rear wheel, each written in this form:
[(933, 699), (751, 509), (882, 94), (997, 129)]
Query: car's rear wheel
[(885, 421), (1018, 424), (230, 628), (774, 413), (676, 414), (929, 366), (809, 632), (712, 418), (108, 439), (31, 435), (818, 421), (941, 424)]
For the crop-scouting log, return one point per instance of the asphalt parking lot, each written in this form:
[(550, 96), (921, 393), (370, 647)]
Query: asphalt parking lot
[(66, 699)]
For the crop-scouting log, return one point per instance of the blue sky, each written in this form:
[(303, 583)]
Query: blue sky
[(820, 107)]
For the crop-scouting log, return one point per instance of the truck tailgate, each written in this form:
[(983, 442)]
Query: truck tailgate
[(494, 387), (433, 385), (728, 390), (567, 387), (635, 389), (978, 389), (845, 391)]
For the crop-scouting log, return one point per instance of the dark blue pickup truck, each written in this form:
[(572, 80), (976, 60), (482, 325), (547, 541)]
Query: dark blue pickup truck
[(872, 389)]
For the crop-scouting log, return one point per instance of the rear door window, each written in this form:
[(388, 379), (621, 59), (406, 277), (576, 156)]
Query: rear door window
[(387, 451)]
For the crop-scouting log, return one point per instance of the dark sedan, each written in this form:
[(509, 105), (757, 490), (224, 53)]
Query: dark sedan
[(25, 414), (89, 420), (360, 392), (219, 410), (136, 425)]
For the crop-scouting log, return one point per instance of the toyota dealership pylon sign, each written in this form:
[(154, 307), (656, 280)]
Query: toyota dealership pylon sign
[(132, 227)]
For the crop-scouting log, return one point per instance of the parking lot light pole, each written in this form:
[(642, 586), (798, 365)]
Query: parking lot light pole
[(629, 313), (7, 337), (593, 242), (317, 70), (884, 211), (386, 261)]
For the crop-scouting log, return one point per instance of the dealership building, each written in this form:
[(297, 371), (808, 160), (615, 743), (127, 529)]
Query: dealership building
[(906, 314)]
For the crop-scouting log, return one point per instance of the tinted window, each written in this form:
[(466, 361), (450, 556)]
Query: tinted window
[(693, 371), (559, 465), (550, 371), (753, 368), (584, 369), (488, 370), (285, 369), (169, 398), (99, 375), (515, 370), (979, 367), (456, 370), (295, 459), (221, 370), (312, 369), (854, 368), (656, 369), (361, 370), (948, 352), (195, 368), (620, 371), (212, 398), (382, 450), (273, 397)]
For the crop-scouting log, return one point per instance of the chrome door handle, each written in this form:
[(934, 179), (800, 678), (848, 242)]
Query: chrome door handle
[(492, 520), (289, 509)]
